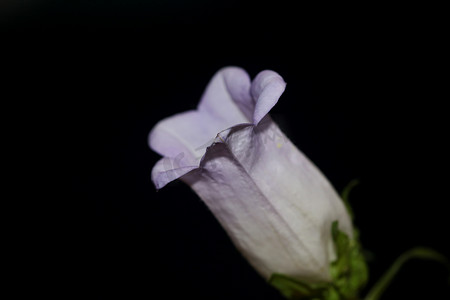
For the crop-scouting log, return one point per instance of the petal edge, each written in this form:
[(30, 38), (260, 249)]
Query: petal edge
[(267, 87)]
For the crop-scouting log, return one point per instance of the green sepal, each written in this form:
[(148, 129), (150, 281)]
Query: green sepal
[(348, 272), (294, 289), (346, 194)]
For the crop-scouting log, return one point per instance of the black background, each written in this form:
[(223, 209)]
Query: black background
[(364, 100)]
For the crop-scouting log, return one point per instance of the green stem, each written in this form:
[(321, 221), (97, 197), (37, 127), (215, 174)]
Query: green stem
[(345, 195), (423, 253)]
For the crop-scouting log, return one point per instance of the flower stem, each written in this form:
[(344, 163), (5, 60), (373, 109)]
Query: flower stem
[(423, 253)]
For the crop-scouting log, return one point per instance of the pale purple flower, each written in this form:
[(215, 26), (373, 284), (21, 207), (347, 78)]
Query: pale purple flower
[(276, 206)]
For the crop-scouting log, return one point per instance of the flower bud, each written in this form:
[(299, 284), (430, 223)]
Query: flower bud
[(275, 205)]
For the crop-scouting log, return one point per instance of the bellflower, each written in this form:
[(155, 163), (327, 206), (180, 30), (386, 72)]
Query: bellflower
[(275, 205)]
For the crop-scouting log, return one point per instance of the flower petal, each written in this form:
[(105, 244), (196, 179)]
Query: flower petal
[(227, 102), (266, 88), (227, 97), (168, 169), (188, 133)]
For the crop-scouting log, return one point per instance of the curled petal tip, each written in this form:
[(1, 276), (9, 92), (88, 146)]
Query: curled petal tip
[(267, 88)]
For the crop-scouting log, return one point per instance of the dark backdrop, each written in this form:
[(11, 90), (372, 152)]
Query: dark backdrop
[(363, 101)]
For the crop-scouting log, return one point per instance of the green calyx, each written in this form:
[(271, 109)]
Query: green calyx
[(348, 272)]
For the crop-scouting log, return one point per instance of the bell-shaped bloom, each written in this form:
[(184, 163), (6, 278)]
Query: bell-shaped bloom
[(275, 205)]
